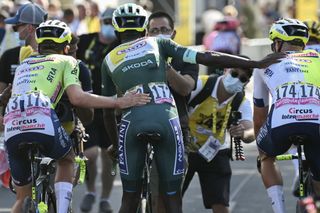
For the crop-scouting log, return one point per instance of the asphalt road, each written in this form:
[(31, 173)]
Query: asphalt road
[(247, 192)]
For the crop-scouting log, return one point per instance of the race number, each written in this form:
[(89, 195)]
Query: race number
[(161, 93), (297, 90)]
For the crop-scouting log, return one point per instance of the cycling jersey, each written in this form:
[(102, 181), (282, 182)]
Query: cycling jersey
[(38, 85), (140, 66), (294, 85), (315, 47)]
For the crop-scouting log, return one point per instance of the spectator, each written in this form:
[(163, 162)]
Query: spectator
[(224, 38), (82, 27), (209, 120), (92, 20)]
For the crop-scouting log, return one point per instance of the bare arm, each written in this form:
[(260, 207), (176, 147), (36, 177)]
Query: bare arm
[(244, 130), (110, 123), (83, 99), (259, 117), (223, 60), (182, 84)]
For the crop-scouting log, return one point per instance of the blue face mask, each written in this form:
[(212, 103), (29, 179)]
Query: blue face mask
[(107, 31), (231, 84), (20, 41)]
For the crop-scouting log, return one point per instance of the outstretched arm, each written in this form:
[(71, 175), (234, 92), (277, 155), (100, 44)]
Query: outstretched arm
[(223, 60)]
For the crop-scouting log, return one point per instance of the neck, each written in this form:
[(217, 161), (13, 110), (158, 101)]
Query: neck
[(287, 47), (32, 42), (222, 93)]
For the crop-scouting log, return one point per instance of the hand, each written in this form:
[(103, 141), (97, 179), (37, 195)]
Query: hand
[(113, 153), (270, 59), (237, 131), (6, 93), (133, 99)]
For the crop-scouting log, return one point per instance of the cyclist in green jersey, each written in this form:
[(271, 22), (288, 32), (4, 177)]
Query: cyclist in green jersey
[(139, 64), (38, 85)]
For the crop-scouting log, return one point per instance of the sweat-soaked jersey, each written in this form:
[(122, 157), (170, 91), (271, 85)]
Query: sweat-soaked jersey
[(294, 85)]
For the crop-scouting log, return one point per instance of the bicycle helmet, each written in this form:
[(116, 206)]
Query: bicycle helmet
[(314, 29), (129, 16), (53, 30), (289, 30)]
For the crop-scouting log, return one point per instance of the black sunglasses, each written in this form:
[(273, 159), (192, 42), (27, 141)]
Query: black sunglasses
[(243, 78)]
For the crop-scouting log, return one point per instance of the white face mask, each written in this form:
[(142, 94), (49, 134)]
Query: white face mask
[(231, 84), (164, 36)]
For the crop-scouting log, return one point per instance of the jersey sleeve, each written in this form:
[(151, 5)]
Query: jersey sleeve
[(85, 77), (71, 72), (246, 110), (108, 88), (260, 89), (178, 52)]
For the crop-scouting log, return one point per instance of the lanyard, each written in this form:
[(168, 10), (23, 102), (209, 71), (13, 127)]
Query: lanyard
[(220, 135)]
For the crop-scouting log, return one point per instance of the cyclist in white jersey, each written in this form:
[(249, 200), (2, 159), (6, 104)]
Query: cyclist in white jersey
[(38, 85), (294, 85)]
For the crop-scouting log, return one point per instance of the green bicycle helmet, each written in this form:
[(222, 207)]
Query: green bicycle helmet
[(129, 16), (289, 30)]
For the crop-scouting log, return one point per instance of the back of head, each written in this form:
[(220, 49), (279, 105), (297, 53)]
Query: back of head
[(53, 33), (314, 30), (130, 17), (290, 30)]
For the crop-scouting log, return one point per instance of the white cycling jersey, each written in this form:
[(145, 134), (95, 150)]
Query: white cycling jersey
[(294, 85), (315, 47)]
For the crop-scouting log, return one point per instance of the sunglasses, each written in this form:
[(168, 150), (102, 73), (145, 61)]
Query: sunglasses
[(162, 30), (243, 78), (15, 27)]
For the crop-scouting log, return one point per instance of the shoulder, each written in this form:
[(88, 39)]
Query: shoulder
[(13, 52)]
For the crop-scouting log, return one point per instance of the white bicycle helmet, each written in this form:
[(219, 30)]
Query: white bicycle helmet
[(130, 16), (288, 30), (53, 30)]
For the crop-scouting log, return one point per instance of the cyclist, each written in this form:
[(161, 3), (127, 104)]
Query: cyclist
[(139, 64), (295, 106), (182, 79), (314, 44), (314, 35), (38, 85)]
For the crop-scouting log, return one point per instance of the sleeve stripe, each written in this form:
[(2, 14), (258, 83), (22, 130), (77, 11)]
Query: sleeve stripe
[(189, 56), (258, 102)]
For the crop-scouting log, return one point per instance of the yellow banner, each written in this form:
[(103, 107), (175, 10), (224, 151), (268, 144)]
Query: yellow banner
[(185, 21), (306, 9)]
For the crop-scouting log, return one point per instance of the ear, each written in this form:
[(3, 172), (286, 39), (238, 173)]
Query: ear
[(173, 34), (66, 49)]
